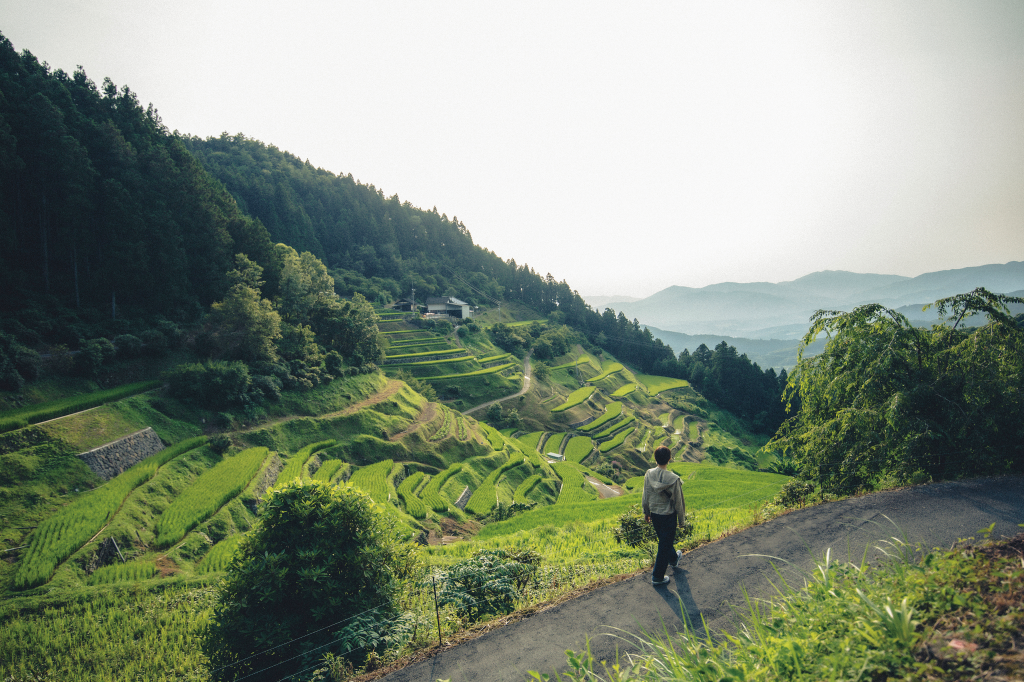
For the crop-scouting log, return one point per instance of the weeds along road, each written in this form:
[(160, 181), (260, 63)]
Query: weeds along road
[(712, 578)]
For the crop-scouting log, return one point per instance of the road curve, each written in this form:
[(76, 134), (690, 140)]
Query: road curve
[(713, 577), (522, 391)]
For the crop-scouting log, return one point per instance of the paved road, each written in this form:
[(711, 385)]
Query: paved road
[(712, 577)]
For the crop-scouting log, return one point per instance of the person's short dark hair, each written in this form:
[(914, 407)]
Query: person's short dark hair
[(662, 455)]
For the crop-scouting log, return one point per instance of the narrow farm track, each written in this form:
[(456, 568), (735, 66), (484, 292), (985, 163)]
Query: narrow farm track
[(425, 416), (392, 387), (711, 579), (522, 391)]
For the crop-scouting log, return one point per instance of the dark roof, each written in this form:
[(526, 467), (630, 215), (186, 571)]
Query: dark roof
[(446, 300)]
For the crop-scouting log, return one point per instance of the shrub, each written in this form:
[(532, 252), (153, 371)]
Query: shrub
[(794, 492), (318, 556), (212, 384), (490, 583), (128, 346), (154, 342), (93, 355)]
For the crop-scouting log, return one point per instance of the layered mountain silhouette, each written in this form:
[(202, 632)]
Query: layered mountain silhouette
[(765, 310)]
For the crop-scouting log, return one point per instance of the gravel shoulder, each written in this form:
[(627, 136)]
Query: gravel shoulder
[(711, 579)]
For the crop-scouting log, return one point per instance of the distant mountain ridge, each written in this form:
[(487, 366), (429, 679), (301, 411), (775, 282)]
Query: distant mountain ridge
[(765, 310)]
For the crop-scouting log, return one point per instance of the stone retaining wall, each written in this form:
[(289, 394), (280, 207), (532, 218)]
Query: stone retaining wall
[(107, 461)]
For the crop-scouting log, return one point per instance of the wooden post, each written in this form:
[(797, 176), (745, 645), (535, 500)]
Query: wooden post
[(437, 612)]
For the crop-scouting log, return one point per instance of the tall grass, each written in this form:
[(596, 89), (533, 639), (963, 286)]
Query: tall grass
[(554, 443), (407, 491), (218, 558), (524, 489), (531, 440), (132, 571), (617, 441), (432, 495), (373, 480), (575, 488), (612, 428), (295, 465), (207, 494), (327, 470), (63, 533), (485, 497)]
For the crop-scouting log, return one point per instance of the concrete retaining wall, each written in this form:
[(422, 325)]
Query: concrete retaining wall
[(107, 461)]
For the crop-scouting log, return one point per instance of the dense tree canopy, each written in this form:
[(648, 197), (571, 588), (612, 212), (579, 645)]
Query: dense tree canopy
[(101, 206), (887, 400)]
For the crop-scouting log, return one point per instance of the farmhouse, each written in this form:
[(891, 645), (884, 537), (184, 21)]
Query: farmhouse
[(405, 305), (449, 305)]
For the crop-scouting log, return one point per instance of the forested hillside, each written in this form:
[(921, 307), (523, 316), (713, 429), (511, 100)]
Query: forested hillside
[(110, 223), (101, 206)]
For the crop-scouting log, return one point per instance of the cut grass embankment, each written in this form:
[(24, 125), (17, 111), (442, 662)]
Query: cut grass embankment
[(16, 419), (575, 398), (63, 533)]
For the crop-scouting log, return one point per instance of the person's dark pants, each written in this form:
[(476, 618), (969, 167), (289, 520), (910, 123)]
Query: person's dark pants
[(665, 528)]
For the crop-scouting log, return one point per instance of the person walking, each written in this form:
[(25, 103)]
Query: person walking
[(664, 507)]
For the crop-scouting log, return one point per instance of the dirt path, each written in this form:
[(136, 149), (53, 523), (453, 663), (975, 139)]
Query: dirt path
[(526, 387), (392, 387), (604, 491), (712, 578), (425, 416)]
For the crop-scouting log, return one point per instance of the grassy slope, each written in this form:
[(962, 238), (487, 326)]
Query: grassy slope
[(42, 468)]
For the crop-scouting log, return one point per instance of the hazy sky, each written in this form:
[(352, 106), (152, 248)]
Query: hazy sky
[(622, 147)]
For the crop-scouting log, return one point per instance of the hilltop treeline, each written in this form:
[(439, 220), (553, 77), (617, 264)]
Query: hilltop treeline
[(100, 206), (110, 223)]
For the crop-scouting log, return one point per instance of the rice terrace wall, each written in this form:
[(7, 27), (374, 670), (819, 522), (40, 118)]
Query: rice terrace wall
[(111, 459)]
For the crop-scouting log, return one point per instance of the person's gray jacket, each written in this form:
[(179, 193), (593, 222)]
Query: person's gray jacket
[(663, 494)]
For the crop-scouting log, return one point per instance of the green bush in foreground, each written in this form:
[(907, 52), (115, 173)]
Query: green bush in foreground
[(897, 621), (322, 564)]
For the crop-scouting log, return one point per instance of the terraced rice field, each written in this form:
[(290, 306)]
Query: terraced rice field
[(207, 494), (656, 384), (611, 412), (610, 369), (617, 441), (575, 398), (578, 448)]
